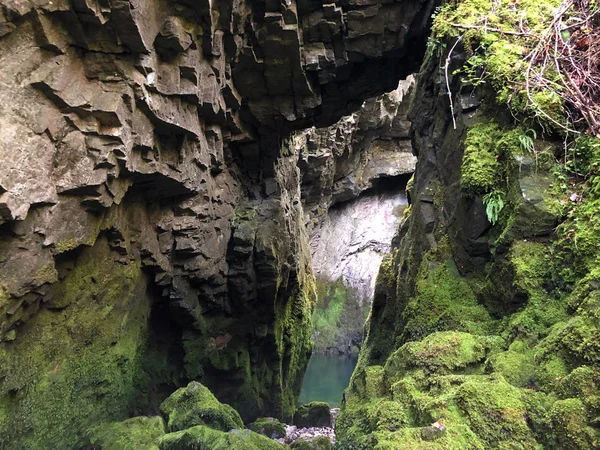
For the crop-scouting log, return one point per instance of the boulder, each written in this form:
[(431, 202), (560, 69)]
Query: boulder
[(313, 414), (131, 434), (319, 443), (268, 426), (202, 437), (196, 405)]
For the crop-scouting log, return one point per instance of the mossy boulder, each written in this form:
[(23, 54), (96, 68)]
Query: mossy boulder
[(136, 433), (569, 423), (441, 353), (268, 426), (318, 443), (196, 405), (313, 414), (584, 383), (204, 438), (496, 412), (368, 382), (517, 364)]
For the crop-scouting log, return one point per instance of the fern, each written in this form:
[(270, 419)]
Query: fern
[(526, 141), (494, 202)]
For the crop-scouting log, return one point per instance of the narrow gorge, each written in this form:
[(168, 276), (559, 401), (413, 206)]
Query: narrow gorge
[(196, 198)]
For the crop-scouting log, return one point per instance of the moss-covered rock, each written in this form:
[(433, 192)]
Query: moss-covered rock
[(196, 405), (443, 301), (569, 420), (457, 438), (313, 414), (136, 433), (481, 171), (82, 364), (318, 443), (442, 352), (204, 438), (517, 364), (268, 426), (496, 412)]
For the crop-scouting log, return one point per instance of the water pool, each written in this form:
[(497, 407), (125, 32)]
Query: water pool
[(326, 378)]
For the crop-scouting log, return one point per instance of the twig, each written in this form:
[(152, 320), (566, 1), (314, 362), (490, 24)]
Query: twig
[(448, 81), (492, 29)]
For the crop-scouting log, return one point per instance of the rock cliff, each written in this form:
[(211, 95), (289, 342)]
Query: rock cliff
[(151, 206)]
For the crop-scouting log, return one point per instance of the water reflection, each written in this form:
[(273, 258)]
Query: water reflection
[(326, 378)]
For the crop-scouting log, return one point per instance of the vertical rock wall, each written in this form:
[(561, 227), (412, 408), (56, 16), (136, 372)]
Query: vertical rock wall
[(151, 220)]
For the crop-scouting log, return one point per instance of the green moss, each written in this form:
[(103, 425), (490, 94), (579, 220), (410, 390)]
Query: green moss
[(79, 365), (444, 301), (132, 434), (337, 314), (441, 352), (196, 405), (319, 443), (368, 382), (268, 426), (313, 414), (390, 415), (569, 421), (481, 171), (456, 438), (517, 364), (500, 59), (204, 438), (583, 382), (292, 337), (496, 412), (517, 281), (550, 368)]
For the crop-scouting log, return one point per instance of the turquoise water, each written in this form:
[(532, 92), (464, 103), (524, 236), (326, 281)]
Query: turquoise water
[(326, 378)]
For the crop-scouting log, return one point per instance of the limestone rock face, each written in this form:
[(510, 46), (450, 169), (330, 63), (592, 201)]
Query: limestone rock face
[(353, 239), (153, 135)]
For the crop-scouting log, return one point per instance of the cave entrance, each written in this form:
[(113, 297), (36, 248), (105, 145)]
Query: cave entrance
[(348, 248)]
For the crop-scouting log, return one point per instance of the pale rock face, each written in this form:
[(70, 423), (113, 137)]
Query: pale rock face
[(354, 237)]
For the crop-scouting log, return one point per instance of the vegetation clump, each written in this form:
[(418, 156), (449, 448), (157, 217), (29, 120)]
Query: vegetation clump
[(196, 405), (268, 426), (203, 437), (541, 57), (131, 434)]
